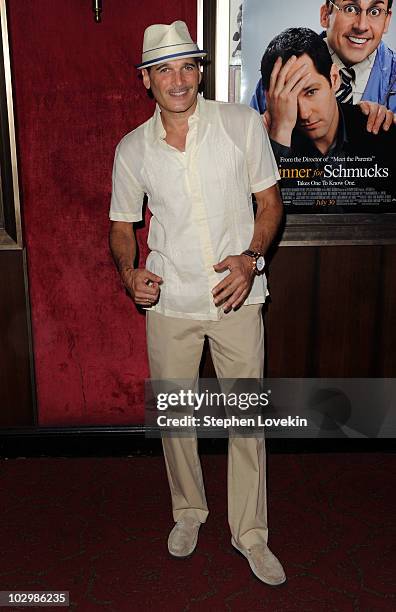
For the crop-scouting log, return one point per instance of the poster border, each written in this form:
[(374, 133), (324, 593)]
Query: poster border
[(11, 225)]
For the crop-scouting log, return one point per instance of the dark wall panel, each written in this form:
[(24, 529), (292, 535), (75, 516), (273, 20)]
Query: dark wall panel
[(332, 312), (16, 401), (386, 317), (348, 290), (291, 311)]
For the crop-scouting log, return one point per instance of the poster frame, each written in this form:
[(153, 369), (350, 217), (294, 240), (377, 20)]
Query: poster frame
[(10, 212)]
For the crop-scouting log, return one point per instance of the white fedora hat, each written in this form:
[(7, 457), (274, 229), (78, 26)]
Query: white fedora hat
[(162, 43)]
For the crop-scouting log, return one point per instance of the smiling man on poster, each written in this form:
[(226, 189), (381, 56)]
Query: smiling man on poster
[(367, 65)]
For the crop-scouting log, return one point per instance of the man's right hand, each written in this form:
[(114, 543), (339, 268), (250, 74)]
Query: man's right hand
[(282, 95), (143, 285)]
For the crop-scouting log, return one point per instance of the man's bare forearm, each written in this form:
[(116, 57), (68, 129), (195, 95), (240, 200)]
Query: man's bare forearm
[(268, 218), (143, 285), (123, 245)]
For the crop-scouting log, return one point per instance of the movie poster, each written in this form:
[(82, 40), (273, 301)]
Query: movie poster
[(328, 161)]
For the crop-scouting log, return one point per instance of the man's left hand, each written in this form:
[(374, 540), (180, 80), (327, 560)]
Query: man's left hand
[(233, 290), (378, 115)]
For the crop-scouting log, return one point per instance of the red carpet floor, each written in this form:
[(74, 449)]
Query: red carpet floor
[(98, 528)]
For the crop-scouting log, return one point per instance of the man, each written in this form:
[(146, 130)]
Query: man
[(307, 122), (199, 161), (353, 33)]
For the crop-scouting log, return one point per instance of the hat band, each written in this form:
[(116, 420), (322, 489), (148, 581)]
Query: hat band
[(183, 44), (160, 58)]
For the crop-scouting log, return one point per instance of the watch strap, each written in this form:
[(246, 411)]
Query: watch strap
[(250, 253), (254, 255)]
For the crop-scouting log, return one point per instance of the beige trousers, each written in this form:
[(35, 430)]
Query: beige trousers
[(237, 348)]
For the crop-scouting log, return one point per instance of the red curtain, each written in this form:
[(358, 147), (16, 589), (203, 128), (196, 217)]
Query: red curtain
[(76, 94)]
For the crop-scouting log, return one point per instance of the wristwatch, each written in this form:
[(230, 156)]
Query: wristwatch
[(258, 261)]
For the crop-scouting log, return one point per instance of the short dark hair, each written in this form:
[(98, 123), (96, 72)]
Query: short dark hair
[(296, 41), (390, 2), (199, 61)]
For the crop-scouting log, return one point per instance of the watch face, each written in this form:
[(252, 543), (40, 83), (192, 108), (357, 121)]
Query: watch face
[(260, 263)]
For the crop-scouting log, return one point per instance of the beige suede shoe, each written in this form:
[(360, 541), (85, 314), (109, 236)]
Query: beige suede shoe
[(183, 538), (263, 563)]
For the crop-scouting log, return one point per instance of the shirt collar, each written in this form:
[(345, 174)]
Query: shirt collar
[(157, 129), (360, 68)]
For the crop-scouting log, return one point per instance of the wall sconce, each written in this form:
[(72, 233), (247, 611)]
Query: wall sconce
[(97, 9)]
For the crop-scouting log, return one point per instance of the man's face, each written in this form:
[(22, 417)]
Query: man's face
[(174, 84), (317, 114), (354, 38)]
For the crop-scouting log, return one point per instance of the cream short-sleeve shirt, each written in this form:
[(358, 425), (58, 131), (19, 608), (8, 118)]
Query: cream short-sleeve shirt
[(200, 200)]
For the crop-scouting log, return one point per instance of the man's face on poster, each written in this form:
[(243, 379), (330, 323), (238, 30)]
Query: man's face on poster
[(354, 36), (317, 114)]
